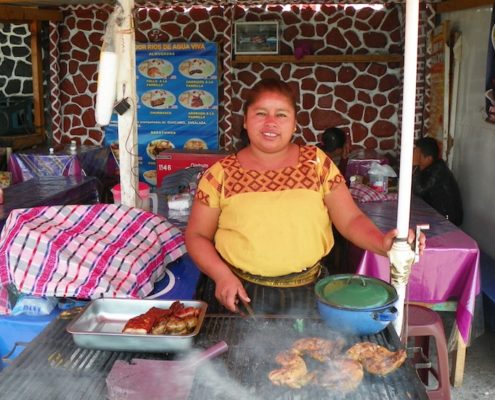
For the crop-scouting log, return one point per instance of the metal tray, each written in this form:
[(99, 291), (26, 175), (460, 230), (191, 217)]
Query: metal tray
[(100, 326)]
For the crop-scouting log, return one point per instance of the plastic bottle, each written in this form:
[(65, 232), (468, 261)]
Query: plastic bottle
[(352, 180)]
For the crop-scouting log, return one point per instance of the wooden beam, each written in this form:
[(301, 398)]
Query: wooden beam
[(18, 14), (458, 5), (37, 68), (323, 59)]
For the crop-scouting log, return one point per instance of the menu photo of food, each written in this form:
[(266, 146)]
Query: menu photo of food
[(150, 176), (195, 144), (158, 99), (5, 179), (197, 68), (155, 147), (155, 68), (196, 99)]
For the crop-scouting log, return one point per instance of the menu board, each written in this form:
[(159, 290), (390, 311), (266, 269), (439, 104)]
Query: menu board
[(177, 94)]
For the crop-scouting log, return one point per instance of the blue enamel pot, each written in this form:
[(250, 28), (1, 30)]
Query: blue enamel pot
[(356, 304)]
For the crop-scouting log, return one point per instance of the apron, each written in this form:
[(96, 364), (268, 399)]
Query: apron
[(291, 294)]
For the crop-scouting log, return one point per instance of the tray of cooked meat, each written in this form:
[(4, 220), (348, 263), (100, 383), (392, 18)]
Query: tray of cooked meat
[(138, 325)]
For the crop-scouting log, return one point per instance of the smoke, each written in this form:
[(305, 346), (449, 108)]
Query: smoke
[(253, 345)]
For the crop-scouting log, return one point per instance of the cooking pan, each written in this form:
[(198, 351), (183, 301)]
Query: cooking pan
[(157, 379), (356, 304)]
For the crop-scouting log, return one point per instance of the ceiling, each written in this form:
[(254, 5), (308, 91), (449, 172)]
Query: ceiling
[(441, 5), (51, 3)]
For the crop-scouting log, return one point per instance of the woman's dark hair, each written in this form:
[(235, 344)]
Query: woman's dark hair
[(269, 85), (428, 147), (332, 139), (243, 140)]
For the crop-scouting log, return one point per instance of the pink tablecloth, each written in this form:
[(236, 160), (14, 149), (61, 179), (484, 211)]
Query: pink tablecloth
[(448, 269)]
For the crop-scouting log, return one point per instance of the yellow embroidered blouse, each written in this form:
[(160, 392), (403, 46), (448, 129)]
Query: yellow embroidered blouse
[(275, 222)]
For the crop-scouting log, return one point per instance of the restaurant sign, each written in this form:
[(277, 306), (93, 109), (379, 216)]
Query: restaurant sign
[(177, 93)]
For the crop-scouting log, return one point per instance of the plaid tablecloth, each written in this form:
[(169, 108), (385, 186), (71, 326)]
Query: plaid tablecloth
[(85, 251)]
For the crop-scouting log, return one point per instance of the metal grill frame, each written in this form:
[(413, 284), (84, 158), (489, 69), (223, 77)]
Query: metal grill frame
[(53, 368)]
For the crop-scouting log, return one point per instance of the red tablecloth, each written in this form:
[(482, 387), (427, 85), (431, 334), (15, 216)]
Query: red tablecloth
[(448, 269)]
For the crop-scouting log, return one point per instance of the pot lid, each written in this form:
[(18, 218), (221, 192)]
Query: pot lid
[(355, 291)]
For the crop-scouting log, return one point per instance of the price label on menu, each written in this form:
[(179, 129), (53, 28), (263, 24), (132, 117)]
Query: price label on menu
[(177, 93)]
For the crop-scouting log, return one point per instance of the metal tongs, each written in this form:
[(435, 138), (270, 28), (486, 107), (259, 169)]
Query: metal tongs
[(247, 312)]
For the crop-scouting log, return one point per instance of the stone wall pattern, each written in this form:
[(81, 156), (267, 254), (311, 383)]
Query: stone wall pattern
[(15, 65), (363, 98)]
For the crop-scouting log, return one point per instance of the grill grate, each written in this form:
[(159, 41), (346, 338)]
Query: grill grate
[(53, 368), (253, 346)]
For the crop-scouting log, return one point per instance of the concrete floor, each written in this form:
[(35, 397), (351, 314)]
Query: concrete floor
[(479, 375), (479, 372)]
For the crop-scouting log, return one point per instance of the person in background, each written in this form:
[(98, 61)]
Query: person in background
[(434, 182), (264, 215), (334, 142)]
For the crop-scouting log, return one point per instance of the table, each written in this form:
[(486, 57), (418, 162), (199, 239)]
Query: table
[(86, 160), (49, 191), (448, 269)]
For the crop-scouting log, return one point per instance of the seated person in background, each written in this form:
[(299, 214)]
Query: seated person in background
[(434, 182), (264, 215), (335, 144)]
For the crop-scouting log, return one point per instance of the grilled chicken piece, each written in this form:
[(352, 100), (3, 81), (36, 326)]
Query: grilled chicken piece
[(293, 373), (342, 374), (142, 324), (377, 359), (318, 348), (191, 323), (187, 312), (176, 326)]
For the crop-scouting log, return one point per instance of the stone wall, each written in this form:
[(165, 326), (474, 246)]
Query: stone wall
[(363, 98), (15, 66), (15, 63)]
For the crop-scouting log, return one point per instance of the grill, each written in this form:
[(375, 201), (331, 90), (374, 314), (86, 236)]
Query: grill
[(53, 368)]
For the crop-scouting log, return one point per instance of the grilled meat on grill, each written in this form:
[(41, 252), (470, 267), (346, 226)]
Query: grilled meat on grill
[(342, 374), (377, 359), (293, 373), (318, 348)]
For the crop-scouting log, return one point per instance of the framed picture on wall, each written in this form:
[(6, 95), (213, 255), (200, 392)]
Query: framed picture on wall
[(256, 37)]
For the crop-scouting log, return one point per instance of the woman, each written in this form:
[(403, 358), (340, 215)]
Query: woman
[(264, 215)]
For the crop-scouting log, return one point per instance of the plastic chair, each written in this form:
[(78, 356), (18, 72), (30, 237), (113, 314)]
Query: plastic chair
[(422, 324)]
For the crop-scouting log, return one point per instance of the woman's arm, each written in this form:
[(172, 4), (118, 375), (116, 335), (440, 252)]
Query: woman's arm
[(200, 232), (354, 225)]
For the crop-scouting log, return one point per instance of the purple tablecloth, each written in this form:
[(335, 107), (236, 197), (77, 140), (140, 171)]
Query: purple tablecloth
[(449, 267), (87, 160), (49, 191)]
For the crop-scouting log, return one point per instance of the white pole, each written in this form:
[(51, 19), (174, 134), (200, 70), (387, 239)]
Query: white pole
[(126, 89), (401, 254), (408, 111)]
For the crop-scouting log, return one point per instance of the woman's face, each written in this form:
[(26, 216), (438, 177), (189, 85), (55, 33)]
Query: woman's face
[(270, 122)]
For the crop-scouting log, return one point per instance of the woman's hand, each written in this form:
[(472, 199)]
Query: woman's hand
[(229, 290), (389, 237)]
